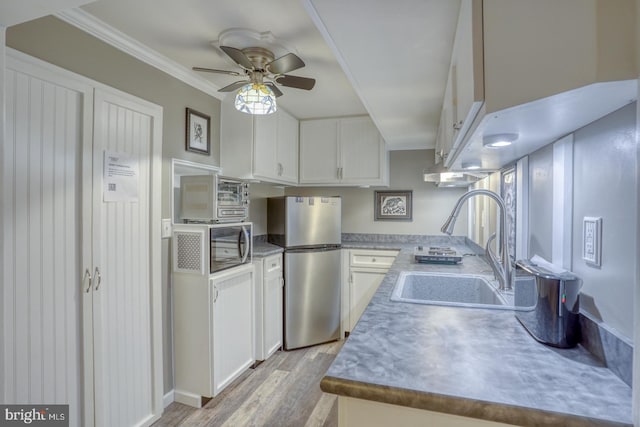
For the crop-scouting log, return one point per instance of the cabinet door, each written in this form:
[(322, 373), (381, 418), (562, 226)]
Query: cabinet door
[(44, 193), (233, 326), (127, 358), (287, 148), (465, 88), (363, 284), (360, 151), (265, 152), (272, 310), (319, 151)]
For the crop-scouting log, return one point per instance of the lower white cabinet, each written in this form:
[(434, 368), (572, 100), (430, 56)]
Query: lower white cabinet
[(268, 315), (213, 331), (367, 268)]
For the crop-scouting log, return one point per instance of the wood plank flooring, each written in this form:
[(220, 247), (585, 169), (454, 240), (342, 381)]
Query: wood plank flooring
[(284, 391)]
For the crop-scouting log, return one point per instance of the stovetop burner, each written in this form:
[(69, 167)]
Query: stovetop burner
[(437, 255)]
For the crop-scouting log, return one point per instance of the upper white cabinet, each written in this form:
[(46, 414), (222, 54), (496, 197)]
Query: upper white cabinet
[(464, 93), (263, 148), (536, 69), (345, 151)]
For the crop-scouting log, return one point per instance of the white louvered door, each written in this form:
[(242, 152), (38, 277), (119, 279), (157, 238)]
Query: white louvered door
[(65, 339)]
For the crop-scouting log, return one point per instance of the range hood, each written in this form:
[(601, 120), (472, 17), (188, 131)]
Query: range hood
[(443, 178)]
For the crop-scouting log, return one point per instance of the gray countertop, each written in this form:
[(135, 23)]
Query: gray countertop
[(263, 249), (472, 362)]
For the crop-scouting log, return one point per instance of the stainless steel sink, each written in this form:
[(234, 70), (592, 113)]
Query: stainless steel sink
[(458, 290)]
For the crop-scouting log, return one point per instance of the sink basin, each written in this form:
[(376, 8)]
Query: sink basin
[(458, 290)]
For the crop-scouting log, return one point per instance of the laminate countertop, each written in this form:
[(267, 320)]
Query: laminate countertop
[(471, 362), (263, 249)]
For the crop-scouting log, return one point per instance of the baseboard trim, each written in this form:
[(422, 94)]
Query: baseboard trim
[(168, 398), (187, 398)]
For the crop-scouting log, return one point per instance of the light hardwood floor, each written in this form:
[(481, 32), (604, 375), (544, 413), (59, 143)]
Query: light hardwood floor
[(284, 391)]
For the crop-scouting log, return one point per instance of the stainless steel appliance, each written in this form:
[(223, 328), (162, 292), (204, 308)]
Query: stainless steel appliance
[(213, 198), (309, 229), (206, 249), (554, 317)]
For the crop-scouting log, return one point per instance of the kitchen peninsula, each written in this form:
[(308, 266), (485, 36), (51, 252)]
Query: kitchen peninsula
[(434, 365)]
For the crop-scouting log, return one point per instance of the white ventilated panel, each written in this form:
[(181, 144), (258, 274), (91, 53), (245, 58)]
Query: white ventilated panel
[(40, 175), (189, 252), (123, 359)]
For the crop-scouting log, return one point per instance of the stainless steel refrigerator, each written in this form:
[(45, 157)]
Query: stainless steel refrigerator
[(309, 230)]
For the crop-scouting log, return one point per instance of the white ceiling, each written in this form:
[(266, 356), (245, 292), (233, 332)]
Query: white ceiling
[(386, 58)]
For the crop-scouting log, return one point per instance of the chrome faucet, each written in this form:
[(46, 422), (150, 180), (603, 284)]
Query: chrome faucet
[(501, 268)]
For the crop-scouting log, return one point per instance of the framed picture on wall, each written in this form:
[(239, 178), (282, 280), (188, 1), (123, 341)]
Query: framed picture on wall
[(393, 205), (198, 132)]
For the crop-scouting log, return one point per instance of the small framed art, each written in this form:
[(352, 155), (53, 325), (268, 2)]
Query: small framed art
[(393, 205), (198, 132)]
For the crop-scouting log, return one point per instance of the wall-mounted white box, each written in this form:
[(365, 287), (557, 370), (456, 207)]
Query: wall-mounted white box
[(592, 240)]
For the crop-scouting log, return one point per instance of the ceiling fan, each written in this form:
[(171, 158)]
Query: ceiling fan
[(261, 67)]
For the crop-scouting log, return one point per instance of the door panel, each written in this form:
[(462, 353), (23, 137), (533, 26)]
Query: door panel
[(42, 253), (122, 319), (312, 297)]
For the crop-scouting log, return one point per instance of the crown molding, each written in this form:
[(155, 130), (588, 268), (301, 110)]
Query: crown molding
[(106, 33)]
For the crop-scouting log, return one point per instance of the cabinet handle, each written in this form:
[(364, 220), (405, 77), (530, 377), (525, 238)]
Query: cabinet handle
[(282, 282), (98, 277), (87, 276), (215, 294), (373, 260)]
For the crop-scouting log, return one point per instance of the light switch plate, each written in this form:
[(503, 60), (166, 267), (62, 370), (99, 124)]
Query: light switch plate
[(166, 228), (592, 240)]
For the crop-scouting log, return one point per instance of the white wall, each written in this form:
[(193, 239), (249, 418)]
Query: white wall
[(258, 194), (540, 202), (605, 186), (431, 205)]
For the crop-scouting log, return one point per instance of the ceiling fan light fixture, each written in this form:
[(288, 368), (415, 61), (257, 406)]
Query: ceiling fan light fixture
[(256, 98)]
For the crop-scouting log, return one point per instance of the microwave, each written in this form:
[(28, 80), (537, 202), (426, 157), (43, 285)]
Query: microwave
[(213, 198), (206, 249)]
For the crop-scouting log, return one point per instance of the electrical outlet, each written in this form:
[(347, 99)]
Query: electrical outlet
[(592, 240), (166, 228)]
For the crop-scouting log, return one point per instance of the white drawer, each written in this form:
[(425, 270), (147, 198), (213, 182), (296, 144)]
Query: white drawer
[(372, 258), (273, 264)]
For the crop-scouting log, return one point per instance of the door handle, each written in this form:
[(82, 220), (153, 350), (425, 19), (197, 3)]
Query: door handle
[(247, 245), (96, 274), (87, 276)]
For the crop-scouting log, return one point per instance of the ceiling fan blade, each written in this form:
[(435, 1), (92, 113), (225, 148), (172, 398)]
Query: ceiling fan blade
[(238, 56), (285, 64), (213, 70), (297, 82), (234, 86), (274, 88)]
